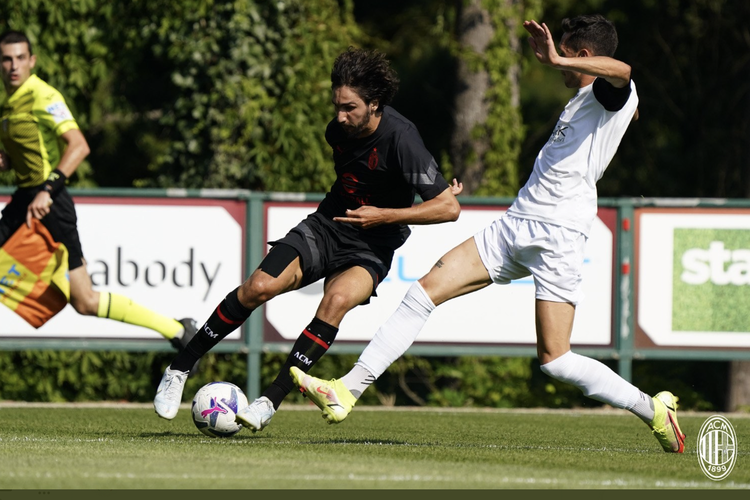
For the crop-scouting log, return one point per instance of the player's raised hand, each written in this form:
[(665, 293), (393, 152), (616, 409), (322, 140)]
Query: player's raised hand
[(541, 42)]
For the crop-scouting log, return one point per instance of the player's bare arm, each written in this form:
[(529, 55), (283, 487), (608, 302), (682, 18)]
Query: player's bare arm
[(614, 71), (77, 148), (443, 208)]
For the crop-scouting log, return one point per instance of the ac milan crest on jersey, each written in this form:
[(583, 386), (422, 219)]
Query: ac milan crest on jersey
[(372, 161)]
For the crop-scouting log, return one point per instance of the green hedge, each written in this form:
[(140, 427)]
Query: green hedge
[(436, 381)]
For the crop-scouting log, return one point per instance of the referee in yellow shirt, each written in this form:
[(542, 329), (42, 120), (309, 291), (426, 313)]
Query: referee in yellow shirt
[(43, 146)]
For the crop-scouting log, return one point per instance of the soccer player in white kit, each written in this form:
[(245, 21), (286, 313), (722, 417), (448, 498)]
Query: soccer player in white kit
[(542, 234)]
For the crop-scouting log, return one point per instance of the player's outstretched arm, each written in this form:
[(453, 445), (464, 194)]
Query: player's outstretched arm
[(614, 71), (442, 208)]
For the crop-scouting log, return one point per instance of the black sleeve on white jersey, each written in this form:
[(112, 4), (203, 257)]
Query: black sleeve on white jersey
[(610, 97), (418, 166)]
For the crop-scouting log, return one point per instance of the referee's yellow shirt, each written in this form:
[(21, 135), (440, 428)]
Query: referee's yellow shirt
[(32, 119)]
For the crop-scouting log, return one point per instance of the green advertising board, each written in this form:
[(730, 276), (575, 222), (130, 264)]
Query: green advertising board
[(711, 275)]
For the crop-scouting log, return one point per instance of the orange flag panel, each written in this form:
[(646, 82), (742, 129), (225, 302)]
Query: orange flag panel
[(34, 279)]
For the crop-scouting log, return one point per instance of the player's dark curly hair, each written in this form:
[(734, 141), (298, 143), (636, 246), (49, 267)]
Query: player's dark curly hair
[(12, 36), (368, 73), (593, 32)]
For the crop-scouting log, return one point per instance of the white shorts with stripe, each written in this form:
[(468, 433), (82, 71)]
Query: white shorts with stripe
[(513, 248)]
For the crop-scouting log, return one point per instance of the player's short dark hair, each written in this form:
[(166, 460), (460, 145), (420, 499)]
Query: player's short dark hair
[(593, 32), (368, 73), (12, 36)]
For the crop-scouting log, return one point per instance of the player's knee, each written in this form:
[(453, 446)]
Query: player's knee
[(337, 301), (430, 290), (259, 289), (551, 372), (561, 376), (571, 369), (561, 368)]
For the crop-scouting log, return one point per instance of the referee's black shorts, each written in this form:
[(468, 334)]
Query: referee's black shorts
[(325, 248), (60, 221)]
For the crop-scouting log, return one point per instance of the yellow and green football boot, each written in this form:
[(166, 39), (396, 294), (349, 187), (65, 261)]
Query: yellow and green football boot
[(664, 426), (331, 396)]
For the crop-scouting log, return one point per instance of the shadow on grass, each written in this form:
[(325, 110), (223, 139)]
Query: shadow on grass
[(199, 435)]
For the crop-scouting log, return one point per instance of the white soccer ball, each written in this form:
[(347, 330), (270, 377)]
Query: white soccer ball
[(214, 408)]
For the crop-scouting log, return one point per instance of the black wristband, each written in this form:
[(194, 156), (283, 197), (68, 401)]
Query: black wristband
[(54, 182)]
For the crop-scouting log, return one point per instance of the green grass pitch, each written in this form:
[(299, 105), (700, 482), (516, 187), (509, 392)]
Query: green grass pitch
[(128, 446)]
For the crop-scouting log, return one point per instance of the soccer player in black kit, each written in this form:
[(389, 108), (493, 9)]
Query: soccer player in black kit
[(380, 162)]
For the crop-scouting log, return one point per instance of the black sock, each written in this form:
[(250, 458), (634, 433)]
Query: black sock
[(311, 345), (226, 318)]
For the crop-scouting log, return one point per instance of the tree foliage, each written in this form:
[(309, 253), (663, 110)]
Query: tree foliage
[(692, 63), (235, 94), (249, 93), (504, 126)]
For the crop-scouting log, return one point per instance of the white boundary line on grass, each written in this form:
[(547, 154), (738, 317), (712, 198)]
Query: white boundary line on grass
[(503, 481)]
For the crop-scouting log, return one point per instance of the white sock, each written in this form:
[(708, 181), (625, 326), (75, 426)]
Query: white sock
[(357, 380), (644, 408), (599, 382), (398, 333)]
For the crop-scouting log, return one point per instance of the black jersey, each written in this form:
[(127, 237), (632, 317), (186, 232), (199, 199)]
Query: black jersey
[(384, 170)]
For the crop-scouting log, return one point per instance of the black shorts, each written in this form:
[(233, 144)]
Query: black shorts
[(60, 221), (325, 248)]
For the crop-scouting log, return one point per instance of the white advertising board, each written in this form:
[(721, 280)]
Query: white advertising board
[(176, 257), (494, 315), (693, 277)]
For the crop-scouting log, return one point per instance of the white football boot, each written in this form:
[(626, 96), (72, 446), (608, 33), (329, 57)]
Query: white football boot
[(169, 393), (256, 415)]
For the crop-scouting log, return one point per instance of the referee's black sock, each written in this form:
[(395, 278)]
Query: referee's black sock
[(226, 318), (311, 345)]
